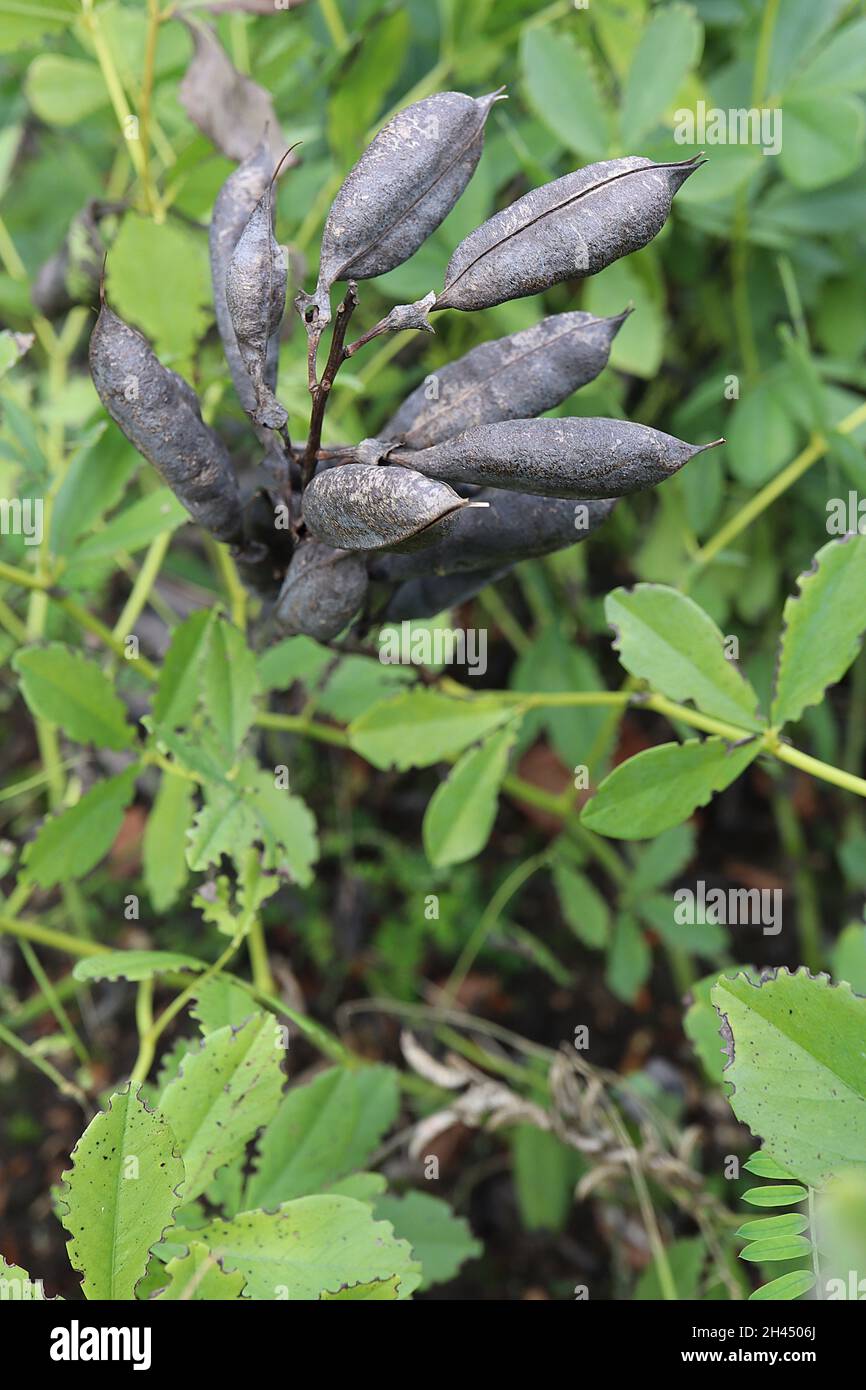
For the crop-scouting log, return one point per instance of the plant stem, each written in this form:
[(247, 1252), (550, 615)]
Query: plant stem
[(488, 920), (258, 951), (334, 23), (320, 390), (66, 1087), (46, 985), (144, 582), (758, 504), (113, 84)]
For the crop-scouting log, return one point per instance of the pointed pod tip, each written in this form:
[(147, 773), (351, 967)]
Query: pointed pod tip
[(490, 98), (702, 448), (616, 321)]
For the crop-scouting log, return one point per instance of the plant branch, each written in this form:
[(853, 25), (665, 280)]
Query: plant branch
[(320, 390)]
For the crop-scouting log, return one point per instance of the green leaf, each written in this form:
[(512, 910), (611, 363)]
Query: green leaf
[(848, 956), (787, 1287), (422, 727), (322, 1131), (686, 1259), (133, 965), (823, 141), (130, 530), (461, 812), (63, 91), (798, 1070), (562, 90), (777, 1248), (439, 1239), (225, 825), (286, 827), (381, 1290), (761, 433), (231, 685), (545, 1171), (660, 787), (639, 346), (662, 860), (629, 960), (665, 638), (357, 88), (71, 691), (226, 1090), (311, 1246), (777, 1196), (584, 909), (180, 678), (669, 48), (219, 1003), (841, 64), (199, 1275), (765, 1166), (69, 844), (25, 24), (120, 1195), (788, 1223), (164, 847), (158, 278), (822, 628)]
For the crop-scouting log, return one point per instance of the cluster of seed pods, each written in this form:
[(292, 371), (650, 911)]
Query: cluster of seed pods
[(465, 479)]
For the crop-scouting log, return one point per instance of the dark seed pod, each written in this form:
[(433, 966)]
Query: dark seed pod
[(323, 591), (573, 458), (234, 112), (159, 414), (434, 593), (405, 183), (363, 507), (510, 378), (564, 230), (255, 291), (513, 527), (234, 206)]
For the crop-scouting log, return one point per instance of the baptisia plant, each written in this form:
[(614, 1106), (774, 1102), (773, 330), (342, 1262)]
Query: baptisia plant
[(456, 488)]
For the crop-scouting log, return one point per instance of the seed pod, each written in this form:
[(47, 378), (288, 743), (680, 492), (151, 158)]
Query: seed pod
[(235, 204), (234, 112), (255, 292), (363, 507), (405, 183), (515, 526), (323, 591), (572, 458), (564, 230), (430, 594), (159, 414), (510, 378)]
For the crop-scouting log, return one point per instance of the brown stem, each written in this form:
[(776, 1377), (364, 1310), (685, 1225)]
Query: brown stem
[(320, 390)]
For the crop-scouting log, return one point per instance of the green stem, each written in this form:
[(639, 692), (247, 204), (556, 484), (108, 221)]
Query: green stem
[(488, 920), (258, 951), (334, 23), (140, 593), (66, 1087), (35, 966)]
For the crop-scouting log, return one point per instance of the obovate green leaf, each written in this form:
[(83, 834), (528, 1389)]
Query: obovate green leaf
[(461, 812), (789, 1195), (164, 845), (133, 965), (226, 1090), (439, 1239), (322, 1131), (120, 1195), (662, 786), (309, 1247), (69, 690), (69, 844), (822, 628), (667, 639), (788, 1223), (422, 727), (777, 1248), (798, 1070)]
